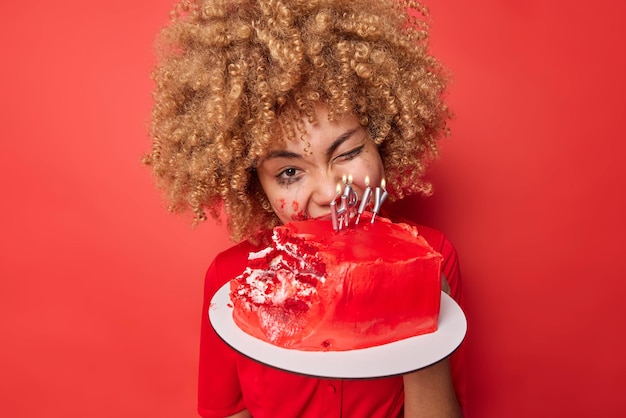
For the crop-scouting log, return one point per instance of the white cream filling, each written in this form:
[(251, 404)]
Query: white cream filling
[(287, 286)]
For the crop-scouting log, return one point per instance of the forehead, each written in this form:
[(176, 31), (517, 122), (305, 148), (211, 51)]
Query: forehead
[(303, 133)]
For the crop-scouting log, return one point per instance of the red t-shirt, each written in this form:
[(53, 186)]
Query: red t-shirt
[(230, 382)]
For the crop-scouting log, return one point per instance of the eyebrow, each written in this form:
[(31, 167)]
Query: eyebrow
[(331, 149), (337, 142)]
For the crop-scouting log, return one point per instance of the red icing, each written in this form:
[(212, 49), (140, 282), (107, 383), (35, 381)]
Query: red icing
[(299, 216), (366, 285)]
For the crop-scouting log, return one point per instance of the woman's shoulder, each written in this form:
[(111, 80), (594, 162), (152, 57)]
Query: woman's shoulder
[(450, 261), (235, 253), (435, 238), (228, 264)]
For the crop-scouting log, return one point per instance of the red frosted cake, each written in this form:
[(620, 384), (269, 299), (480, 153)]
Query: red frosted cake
[(316, 289)]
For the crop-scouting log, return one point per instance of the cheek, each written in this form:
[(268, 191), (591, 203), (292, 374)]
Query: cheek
[(370, 169), (298, 214), (290, 211), (369, 166), (281, 208)]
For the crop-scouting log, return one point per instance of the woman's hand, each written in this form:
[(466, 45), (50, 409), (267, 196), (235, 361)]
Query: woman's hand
[(429, 393)]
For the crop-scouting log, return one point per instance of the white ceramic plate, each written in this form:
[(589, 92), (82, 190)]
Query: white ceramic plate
[(386, 360)]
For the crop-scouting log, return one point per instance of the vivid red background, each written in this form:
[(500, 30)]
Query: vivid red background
[(100, 287)]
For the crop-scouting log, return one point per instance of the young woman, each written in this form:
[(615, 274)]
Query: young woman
[(261, 107)]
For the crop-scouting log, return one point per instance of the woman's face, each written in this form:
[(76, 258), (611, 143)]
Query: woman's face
[(300, 184)]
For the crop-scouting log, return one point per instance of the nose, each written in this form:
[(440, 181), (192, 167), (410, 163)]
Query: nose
[(324, 191)]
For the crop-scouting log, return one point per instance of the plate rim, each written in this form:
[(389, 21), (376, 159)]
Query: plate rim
[(366, 363)]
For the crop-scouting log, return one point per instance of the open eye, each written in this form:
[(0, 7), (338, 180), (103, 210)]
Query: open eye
[(287, 176)]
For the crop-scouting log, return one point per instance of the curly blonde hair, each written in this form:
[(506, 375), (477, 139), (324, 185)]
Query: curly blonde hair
[(230, 72)]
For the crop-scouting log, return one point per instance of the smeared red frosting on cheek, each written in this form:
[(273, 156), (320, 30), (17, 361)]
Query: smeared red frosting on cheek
[(281, 209), (298, 215)]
